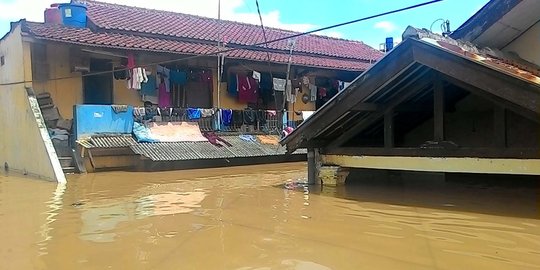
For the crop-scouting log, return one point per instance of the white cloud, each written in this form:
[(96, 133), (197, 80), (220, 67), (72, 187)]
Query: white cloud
[(386, 26), (33, 10)]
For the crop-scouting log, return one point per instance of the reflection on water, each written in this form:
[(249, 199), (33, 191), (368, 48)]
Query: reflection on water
[(263, 217)]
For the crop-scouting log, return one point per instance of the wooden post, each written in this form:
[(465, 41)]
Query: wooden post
[(313, 167), (499, 126), (438, 109), (389, 129)]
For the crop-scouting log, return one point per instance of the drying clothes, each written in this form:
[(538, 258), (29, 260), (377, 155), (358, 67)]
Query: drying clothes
[(226, 117), (271, 113), (237, 118), (268, 139), (193, 113), (248, 138), (291, 94), (248, 89), (207, 112), (164, 77), (305, 80), (343, 85), (119, 108), (150, 113), (130, 60), (149, 90), (178, 77), (120, 73), (257, 76), (178, 112), (165, 111), (279, 84), (139, 112), (280, 102), (232, 88), (216, 140), (312, 92), (164, 97), (250, 117), (261, 117), (137, 77), (322, 92)]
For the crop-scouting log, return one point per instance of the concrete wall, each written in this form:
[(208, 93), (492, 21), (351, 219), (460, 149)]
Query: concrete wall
[(527, 45), (25, 145)]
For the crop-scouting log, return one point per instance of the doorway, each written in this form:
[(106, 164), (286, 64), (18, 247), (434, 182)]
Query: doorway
[(98, 88)]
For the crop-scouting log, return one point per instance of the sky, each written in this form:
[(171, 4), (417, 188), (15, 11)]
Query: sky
[(297, 15)]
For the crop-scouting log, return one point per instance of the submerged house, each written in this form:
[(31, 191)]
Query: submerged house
[(468, 103), (83, 77)]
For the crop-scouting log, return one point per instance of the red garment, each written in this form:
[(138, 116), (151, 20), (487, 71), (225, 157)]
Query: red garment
[(130, 60), (248, 89), (322, 92)]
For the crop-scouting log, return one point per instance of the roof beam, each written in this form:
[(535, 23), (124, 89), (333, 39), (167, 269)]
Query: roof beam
[(482, 76), (411, 88)]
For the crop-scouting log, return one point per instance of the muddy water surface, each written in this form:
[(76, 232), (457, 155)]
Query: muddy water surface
[(244, 218)]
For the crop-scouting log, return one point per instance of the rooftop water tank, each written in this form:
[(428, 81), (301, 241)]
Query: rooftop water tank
[(53, 15), (73, 15)]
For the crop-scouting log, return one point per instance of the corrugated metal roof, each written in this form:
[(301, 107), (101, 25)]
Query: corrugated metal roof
[(112, 141), (205, 150)]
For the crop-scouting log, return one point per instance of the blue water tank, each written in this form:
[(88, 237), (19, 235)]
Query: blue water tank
[(389, 43), (73, 15)]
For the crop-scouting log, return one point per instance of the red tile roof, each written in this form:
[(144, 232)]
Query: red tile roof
[(163, 23), (84, 36)]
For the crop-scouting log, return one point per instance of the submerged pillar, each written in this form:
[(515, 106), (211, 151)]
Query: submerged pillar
[(333, 175), (314, 165)]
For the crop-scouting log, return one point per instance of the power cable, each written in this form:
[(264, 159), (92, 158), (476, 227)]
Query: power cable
[(239, 47)]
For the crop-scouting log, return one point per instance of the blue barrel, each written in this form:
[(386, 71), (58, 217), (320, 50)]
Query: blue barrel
[(73, 15)]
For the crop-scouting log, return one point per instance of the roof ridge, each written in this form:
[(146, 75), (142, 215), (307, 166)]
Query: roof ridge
[(214, 19)]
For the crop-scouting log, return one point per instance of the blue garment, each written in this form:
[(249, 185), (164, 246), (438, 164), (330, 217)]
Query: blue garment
[(226, 117), (142, 134), (149, 88), (178, 77), (248, 138), (194, 113), (232, 88)]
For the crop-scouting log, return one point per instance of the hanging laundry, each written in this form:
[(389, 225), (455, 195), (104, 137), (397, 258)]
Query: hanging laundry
[(207, 112), (271, 113), (119, 108), (120, 73), (237, 118), (164, 77), (178, 77), (193, 113), (312, 92), (305, 80), (149, 90), (130, 60), (250, 117), (164, 97), (178, 112), (322, 92), (226, 117), (216, 140), (257, 76), (248, 138), (279, 84), (248, 89), (232, 88), (291, 94), (261, 117), (343, 85)]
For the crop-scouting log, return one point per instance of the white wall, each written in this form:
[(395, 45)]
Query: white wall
[(527, 45)]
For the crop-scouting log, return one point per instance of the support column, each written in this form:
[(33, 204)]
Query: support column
[(499, 127), (389, 129), (438, 109), (313, 166)]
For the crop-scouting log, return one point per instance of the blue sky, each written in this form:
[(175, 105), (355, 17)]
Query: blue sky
[(297, 15)]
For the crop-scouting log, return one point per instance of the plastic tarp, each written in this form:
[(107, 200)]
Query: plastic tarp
[(168, 132)]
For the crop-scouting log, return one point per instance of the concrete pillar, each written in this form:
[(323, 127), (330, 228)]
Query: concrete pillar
[(333, 175)]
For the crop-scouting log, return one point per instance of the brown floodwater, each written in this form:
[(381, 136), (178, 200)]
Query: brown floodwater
[(244, 218)]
